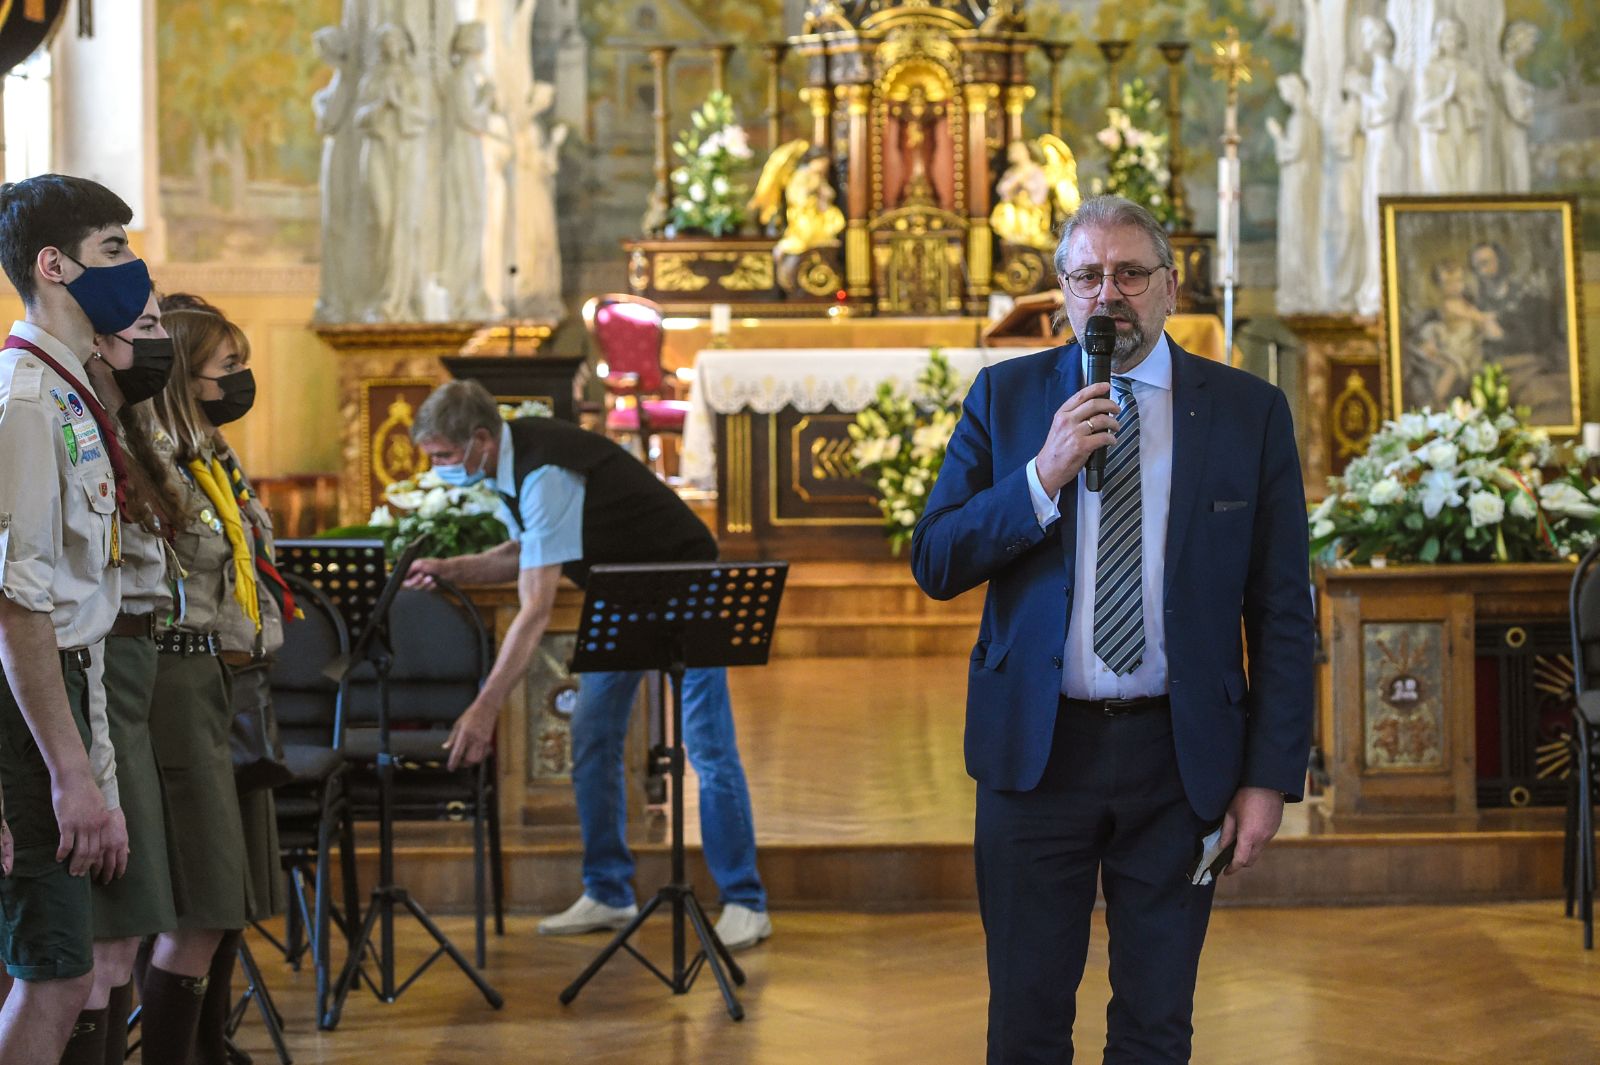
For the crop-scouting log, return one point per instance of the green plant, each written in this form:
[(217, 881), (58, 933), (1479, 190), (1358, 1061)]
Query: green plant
[(1137, 168), (900, 440), (1470, 484), (705, 195)]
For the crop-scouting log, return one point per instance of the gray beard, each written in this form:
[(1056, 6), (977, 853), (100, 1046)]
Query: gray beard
[(1128, 345)]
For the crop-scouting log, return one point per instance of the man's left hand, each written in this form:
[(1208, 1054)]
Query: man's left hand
[(471, 736), (1252, 820)]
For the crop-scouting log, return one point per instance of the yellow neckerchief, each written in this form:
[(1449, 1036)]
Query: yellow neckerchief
[(213, 481)]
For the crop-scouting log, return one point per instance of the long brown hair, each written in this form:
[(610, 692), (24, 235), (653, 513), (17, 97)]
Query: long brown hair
[(153, 496), (197, 329)]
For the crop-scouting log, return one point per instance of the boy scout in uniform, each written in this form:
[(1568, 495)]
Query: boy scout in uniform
[(64, 249)]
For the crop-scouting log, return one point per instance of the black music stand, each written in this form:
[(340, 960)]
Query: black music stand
[(372, 646), (671, 617)]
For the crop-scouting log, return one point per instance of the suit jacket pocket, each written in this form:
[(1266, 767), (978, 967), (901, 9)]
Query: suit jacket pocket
[(1233, 683), (995, 656)]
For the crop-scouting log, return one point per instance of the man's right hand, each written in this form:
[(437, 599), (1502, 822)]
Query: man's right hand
[(81, 816), (1084, 424), (424, 570)]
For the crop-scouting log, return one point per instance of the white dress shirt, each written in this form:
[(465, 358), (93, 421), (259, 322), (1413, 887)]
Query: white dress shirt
[(1083, 675), (548, 524)]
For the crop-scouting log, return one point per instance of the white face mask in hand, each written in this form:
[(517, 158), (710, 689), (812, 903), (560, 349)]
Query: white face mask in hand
[(1214, 858)]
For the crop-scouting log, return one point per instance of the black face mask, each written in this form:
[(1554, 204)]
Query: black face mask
[(238, 396), (152, 365)]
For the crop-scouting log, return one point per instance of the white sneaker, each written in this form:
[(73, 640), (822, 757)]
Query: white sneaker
[(740, 927), (587, 915)]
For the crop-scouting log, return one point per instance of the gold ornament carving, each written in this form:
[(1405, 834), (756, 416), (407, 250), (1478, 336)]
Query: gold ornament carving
[(816, 277), (831, 459), (752, 273), (675, 273), (394, 456), (1355, 416)]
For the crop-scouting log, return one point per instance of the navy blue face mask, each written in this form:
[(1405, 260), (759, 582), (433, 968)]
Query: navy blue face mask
[(112, 297)]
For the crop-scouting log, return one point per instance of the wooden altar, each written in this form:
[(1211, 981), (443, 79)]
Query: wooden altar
[(1445, 691)]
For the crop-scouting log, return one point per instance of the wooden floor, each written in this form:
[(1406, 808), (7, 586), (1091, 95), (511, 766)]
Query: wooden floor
[(1498, 984)]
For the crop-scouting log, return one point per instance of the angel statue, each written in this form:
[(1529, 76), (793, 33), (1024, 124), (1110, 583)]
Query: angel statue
[(1023, 215), (796, 177)]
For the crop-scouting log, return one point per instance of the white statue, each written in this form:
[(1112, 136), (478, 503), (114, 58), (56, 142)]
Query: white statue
[(1517, 95), (1382, 96), (343, 271), (1343, 239), (391, 117), (1295, 148), (469, 108), (536, 237), (1451, 107)]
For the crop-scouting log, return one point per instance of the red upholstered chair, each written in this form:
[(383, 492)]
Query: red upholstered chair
[(640, 402)]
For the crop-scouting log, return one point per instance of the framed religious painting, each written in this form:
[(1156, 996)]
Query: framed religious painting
[(1480, 280)]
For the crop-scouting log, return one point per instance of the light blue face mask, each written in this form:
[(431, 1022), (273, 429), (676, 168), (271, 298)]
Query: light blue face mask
[(455, 474)]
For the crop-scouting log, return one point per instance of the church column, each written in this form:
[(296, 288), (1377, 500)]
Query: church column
[(1017, 97), (980, 245), (105, 116), (857, 243), (820, 99), (774, 53), (662, 193)]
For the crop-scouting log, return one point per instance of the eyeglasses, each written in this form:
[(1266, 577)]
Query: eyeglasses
[(1129, 280)]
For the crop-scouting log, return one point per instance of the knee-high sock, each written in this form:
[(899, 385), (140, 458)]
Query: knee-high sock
[(88, 1043), (210, 1045), (171, 1011), (117, 1024)]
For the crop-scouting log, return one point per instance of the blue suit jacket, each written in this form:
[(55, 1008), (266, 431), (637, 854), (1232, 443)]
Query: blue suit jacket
[(1236, 552)]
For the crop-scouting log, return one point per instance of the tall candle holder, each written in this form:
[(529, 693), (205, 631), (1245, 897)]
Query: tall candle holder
[(1055, 51), (655, 219), (1113, 51), (719, 66), (774, 51), (1173, 52)]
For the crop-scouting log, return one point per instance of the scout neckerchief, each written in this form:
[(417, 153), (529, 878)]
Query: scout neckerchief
[(264, 560), (119, 467), (213, 481)]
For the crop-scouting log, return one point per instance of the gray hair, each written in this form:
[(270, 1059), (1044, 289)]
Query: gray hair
[(455, 411), (1109, 212)]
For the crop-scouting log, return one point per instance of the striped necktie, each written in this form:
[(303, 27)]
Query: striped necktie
[(1119, 566)]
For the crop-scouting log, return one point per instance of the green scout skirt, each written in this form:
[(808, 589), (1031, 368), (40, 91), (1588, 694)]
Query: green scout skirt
[(140, 902), (190, 715), (264, 887)]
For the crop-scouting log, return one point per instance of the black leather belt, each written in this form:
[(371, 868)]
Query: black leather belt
[(188, 643), (134, 625), (1119, 707), (75, 659)]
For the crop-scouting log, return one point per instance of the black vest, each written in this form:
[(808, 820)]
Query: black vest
[(628, 514)]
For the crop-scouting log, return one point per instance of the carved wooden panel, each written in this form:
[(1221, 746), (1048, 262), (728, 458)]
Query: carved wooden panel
[(1403, 695)]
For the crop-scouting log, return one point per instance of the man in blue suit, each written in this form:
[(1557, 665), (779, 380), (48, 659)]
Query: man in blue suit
[(1110, 721)]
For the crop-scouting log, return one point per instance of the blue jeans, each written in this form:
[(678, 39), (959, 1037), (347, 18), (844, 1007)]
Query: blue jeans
[(727, 830)]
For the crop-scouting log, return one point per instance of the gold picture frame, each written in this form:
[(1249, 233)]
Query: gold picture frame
[(1474, 280)]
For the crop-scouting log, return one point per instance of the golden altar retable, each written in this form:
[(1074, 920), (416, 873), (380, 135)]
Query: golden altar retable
[(910, 104)]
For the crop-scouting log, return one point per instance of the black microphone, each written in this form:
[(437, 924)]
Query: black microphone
[(1099, 337)]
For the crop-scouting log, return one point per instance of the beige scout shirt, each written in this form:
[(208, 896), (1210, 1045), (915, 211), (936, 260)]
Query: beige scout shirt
[(58, 504), (206, 557), (146, 573)]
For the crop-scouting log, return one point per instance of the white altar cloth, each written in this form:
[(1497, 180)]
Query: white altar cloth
[(765, 380)]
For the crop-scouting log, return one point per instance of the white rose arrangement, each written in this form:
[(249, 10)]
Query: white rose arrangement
[(900, 440), (705, 196), (1470, 484)]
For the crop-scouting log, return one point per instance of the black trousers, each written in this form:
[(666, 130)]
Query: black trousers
[(1111, 805)]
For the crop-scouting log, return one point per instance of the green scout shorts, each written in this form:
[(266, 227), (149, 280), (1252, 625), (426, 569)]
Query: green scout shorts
[(46, 914)]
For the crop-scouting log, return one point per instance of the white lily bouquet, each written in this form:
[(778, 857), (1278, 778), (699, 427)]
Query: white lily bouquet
[(457, 521), (706, 193), (1469, 484), (900, 441)]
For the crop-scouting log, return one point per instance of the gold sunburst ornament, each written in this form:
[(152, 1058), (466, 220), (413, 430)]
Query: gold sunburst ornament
[(1229, 59)]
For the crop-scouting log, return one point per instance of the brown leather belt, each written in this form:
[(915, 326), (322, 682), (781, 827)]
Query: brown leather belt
[(1119, 707), (134, 625), (75, 659)]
